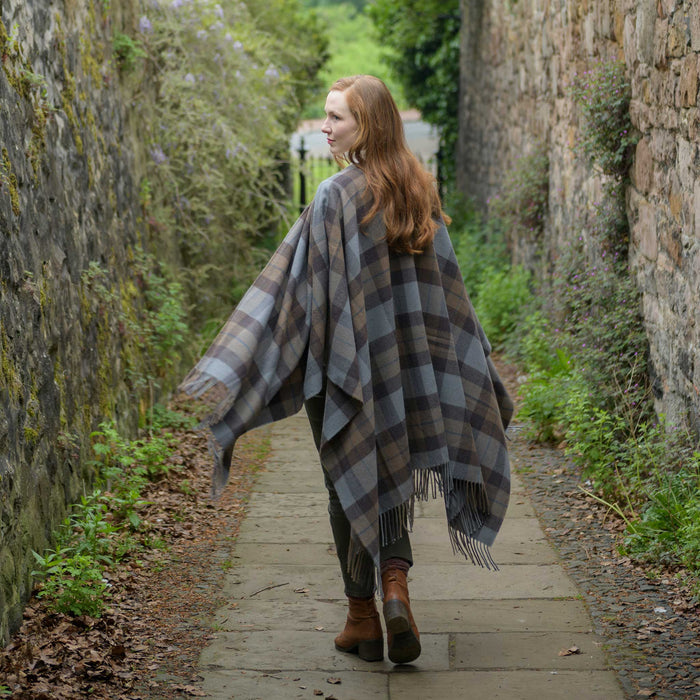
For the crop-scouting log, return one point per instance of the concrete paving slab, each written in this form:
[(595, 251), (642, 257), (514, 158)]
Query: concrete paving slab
[(253, 685), (287, 529), (279, 582), (259, 553), (269, 505), (434, 582), (517, 545), (529, 650), (520, 541), (300, 614), (505, 685), (306, 482), (463, 580), (278, 650), (432, 616), (513, 615)]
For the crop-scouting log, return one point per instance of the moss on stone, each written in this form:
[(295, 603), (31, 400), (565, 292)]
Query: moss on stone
[(10, 374), (8, 177)]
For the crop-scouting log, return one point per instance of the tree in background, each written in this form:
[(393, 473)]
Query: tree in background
[(354, 47), (424, 37)]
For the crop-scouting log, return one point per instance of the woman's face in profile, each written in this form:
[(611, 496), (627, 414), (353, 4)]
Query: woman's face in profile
[(339, 126)]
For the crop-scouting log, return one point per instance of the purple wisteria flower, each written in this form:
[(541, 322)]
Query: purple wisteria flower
[(158, 156), (145, 26), (218, 11), (189, 78), (272, 73)]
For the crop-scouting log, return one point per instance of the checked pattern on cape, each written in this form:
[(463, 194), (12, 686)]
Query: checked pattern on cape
[(413, 404)]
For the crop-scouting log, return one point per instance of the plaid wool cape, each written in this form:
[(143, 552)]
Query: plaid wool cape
[(413, 404)]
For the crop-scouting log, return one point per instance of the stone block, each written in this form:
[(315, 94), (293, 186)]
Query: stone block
[(644, 30), (644, 231), (696, 208), (678, 36), (687, 95), (695, 30), (687, 153), (643, 172), (660, 43), (629, 42)]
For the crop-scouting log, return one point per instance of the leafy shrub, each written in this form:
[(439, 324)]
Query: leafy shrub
[(127, 51), (74, 583), (230, 81), (521, 204), (598, 311), (478, 245), (425, 39), (544, 394), (603, 95), (502, 298), (668, 529)]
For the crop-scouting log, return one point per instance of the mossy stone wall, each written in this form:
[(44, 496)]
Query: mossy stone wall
[(68, 199), (518, 60)]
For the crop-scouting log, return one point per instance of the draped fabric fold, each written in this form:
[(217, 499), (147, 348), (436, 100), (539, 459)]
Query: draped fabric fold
[(413, 404)]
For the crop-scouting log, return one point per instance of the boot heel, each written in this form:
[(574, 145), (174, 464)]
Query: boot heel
[(396, 617), (371, 650)]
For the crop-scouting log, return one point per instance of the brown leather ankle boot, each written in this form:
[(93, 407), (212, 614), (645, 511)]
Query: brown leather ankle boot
[(363, 631), (402, 634)]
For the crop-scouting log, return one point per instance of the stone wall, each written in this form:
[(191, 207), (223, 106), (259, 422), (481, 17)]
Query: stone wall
[(67, 216), (517, 60)]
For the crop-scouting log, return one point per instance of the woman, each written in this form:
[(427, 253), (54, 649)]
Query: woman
[(362, 315)]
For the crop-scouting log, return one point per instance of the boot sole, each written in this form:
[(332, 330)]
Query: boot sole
[(405, 646), (369, 650)]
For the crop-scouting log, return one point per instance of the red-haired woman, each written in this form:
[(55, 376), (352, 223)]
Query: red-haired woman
[(362, 315)]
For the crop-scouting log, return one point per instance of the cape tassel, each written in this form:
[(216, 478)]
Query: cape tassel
[(361, 568), (428, 483)]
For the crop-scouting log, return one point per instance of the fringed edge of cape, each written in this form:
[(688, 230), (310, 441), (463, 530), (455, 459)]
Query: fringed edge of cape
[(429, 483)]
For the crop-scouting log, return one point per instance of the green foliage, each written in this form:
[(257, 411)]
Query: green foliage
[(479, 246), (102, 528), (502, 297), (603, 95), (425, 37), (501, 294), (230, 83), (353, 48), (149, 309), (598, 309), (74, 583), (521, 205), (550, 383), (127, 51), (163, 417)]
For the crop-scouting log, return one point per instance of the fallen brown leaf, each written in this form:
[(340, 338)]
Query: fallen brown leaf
[(570, 651)]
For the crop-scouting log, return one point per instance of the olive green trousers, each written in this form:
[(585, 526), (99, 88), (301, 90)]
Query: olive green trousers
[(340, 526)]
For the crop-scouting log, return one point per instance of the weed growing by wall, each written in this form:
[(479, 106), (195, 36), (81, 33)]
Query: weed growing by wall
[(603, 96), (521, 204), (106, 525)]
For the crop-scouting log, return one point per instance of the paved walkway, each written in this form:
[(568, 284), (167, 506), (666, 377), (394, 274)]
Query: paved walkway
[(484, 634)]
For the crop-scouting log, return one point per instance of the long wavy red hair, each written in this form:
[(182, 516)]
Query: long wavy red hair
[(401, 187)]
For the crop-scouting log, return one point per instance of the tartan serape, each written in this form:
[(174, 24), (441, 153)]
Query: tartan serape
[(413, 404)]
